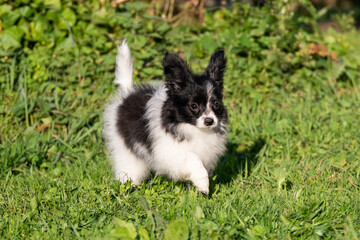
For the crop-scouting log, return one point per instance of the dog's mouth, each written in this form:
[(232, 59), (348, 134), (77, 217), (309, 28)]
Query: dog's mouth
[(206, 127)]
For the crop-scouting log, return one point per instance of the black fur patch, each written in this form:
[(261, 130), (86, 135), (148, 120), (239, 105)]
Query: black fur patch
[(131, 123)]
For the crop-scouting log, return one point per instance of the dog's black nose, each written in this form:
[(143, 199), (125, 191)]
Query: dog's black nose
[(208, 121)]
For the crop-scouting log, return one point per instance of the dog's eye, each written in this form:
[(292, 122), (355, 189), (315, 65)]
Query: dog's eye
[(216, 105), (194, 106)]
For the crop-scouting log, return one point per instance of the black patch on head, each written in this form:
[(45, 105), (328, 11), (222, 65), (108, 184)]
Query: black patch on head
[(131, 123), (185, 88)]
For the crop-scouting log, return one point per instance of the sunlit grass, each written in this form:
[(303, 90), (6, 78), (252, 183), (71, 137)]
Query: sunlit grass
[(292, 167), (292, 170)]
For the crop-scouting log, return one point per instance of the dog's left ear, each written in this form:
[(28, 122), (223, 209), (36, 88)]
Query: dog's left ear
[(216, 68)]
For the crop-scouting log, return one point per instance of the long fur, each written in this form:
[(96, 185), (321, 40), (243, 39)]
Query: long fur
[(177, 129), (124, 69)]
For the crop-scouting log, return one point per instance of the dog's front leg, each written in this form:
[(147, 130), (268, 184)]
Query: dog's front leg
[(197, 173)]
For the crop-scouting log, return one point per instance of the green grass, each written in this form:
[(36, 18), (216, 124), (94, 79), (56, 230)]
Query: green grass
[(292, 168)]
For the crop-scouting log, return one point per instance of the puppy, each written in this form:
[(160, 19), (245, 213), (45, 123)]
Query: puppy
[(177, 129)]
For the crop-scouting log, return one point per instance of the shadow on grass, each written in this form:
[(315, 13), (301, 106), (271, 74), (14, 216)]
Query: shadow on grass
[(237, 162)]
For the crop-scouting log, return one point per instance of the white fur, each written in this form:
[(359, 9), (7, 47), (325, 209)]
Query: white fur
[(191, 159), (124, 69)]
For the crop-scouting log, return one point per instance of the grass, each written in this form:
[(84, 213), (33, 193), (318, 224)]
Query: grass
[(291, 171)]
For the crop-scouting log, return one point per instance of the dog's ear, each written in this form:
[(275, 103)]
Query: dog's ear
[(216, 68), (177, 73)]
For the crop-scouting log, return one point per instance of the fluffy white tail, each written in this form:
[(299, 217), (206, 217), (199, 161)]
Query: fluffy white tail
[(124, 69)]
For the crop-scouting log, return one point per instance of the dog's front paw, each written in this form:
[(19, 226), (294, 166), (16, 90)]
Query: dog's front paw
[(202, 185), (198, 174)]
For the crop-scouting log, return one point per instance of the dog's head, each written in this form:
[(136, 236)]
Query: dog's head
[(195, 99)]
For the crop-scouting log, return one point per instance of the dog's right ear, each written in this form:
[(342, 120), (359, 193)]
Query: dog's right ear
[(176, 71), (216, 68)]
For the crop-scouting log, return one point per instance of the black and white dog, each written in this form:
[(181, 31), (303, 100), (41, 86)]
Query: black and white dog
[(177, 129)]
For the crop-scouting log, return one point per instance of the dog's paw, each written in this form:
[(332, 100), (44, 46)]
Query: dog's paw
[(202, 185)]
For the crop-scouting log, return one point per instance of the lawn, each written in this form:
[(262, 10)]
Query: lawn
[(292, 168)]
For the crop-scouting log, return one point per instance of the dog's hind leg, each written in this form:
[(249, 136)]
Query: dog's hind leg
[(127, 166)]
